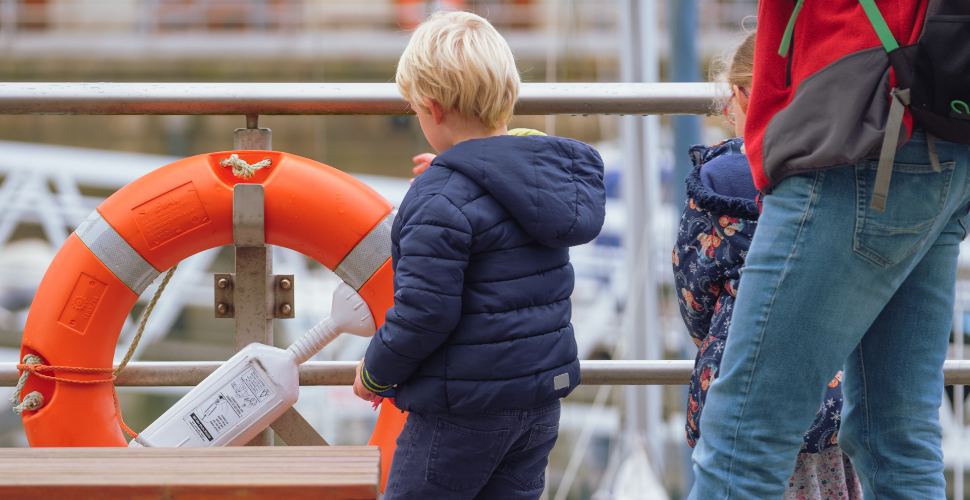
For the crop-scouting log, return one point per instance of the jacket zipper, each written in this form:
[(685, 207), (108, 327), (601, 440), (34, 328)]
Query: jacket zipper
[(791, 52), (788, 40)]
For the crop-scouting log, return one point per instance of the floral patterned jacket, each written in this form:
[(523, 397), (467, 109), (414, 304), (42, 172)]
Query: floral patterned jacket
[(712, 243)]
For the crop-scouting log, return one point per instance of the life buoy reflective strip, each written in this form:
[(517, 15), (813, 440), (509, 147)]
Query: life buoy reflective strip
[(154, 222), (356, 268)]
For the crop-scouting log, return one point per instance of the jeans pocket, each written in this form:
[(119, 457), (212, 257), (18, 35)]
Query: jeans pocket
[(917, 196), (527, 467), (463, 459)]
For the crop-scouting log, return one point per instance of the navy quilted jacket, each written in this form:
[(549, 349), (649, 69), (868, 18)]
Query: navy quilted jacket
[(482, 276)]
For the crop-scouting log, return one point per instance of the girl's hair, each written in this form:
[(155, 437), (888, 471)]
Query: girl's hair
[(733, 68)]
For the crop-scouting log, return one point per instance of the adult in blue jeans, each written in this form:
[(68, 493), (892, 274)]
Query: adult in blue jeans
[(826, 274)]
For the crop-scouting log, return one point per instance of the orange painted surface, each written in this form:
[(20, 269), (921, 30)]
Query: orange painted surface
[(186, 207), (77, 289), (378, 292), (167, 215), (390, 422)]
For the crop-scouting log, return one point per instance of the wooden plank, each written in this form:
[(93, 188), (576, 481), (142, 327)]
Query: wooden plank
[(250, 473), (183, 493)]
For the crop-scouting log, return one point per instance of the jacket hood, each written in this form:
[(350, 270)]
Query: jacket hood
[(701, 154), (551, 185)]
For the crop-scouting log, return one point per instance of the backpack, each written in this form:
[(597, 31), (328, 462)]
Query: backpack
[(933, 82), (824, 105), (827, 103)]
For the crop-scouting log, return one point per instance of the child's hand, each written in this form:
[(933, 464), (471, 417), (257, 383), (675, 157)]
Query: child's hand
[(423, 160), (359, 388)]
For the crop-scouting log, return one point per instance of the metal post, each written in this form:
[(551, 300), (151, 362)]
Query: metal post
[(958, 403), (683, 68), (643, 405), (254, 259), (652, 340), (254, 296), (552, 39), (632, 200), (252, 137)]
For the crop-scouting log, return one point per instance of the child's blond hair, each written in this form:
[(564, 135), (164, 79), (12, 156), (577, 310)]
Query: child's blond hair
[(733, 67), (459, 60)]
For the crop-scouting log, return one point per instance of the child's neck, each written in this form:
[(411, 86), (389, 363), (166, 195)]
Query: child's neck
[(468, 129)]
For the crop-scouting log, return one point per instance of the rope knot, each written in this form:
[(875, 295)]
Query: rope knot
[(242, 169), (31, 402), (29, 360)]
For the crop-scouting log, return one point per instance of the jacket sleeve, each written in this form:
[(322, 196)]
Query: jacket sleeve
[(698, 274), (435, 240)]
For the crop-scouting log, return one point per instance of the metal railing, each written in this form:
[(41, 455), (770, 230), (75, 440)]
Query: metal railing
[(335, 99), (594, 372), (356, 99)]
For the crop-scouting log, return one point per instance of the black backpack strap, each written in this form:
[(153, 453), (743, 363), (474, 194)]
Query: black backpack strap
[(887, 156), (900, 59)]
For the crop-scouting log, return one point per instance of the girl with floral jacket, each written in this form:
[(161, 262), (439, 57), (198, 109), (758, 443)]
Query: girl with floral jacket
[(720, 216)]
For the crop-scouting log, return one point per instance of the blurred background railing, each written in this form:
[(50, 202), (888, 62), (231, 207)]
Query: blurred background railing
[(164, 16), (377, 28)]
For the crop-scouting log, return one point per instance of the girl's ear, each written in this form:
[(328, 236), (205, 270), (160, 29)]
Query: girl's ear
[(742, 99)]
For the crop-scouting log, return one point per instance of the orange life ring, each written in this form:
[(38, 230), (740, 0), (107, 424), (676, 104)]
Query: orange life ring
[(156, 221)]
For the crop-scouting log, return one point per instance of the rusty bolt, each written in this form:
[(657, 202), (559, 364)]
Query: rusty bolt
[(222, 308), (286, 309), (286, 284), (223, 283)]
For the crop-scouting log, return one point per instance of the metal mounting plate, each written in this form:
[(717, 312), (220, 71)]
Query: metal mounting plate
[(285, 307), (223, 285), (253, 139), (279, 288), (248, 208)]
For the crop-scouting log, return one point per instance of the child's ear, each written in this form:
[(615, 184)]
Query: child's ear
[(436, 109)]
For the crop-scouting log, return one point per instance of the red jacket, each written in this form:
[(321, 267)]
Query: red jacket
[(826, 103)]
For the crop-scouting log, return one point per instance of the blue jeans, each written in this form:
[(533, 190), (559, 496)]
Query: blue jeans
[(500, 454), (827, 282)]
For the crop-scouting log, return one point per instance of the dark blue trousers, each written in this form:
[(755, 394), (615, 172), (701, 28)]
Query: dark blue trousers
[(491, 455)]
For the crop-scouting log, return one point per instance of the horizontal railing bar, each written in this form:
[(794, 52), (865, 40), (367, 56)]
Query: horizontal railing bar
[(188, 373), (335, 99)]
